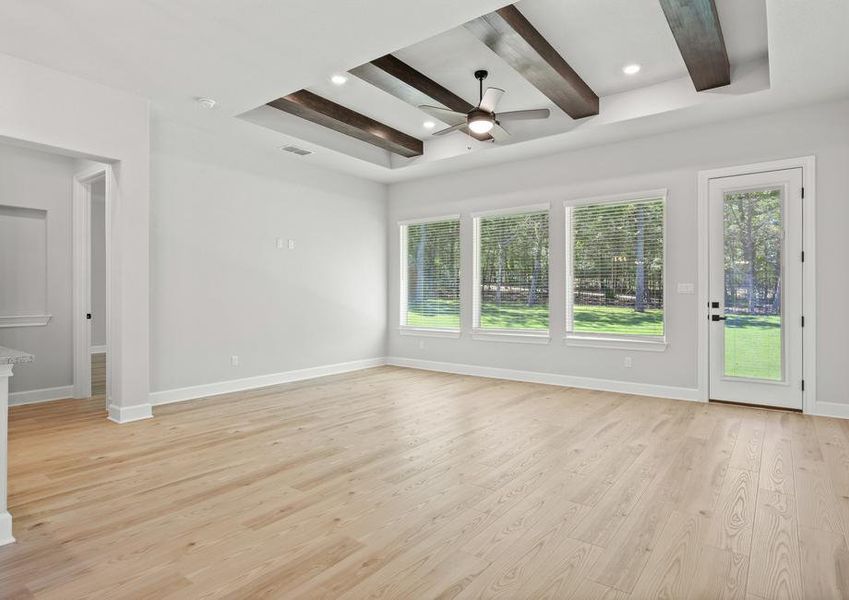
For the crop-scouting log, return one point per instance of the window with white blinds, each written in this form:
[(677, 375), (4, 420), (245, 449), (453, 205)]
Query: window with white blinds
[(615, 270), (512, 271), (431, 274)]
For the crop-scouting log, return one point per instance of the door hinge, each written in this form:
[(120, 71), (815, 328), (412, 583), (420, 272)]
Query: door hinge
[(803, 385), (803, 193), (803, 320), (803, 256)]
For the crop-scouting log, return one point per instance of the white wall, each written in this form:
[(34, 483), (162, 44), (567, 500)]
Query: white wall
[(221, 287), (53, 110), (665, 161), (40, 180), (98, 263)]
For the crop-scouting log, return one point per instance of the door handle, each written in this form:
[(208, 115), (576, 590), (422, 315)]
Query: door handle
[(718, 318)]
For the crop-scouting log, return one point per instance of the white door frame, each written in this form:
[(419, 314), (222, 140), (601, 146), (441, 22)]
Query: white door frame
[(809, 290), (81, 216)]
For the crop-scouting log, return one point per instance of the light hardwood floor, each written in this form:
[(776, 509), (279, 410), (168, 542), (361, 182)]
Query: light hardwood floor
[(398, 483)]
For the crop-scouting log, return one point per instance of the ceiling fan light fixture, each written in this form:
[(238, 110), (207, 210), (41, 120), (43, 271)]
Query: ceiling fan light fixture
[(480, 121)]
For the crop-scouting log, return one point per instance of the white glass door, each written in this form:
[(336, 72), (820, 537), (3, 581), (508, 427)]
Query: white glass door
[(756, 288)]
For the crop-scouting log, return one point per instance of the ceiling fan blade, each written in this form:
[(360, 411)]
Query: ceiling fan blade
[(456, 127), (490, 99), (445, 115), (524, 115), (499, 134)]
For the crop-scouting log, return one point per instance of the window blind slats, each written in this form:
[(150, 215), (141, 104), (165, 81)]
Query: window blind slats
[(513, 255), (616, 283), (433, 275)]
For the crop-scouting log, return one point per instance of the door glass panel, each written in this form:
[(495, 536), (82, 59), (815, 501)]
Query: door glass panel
[(753, 230)]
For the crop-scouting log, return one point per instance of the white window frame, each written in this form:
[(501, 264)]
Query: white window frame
[(530, 336), (403, 329), (601, 340)]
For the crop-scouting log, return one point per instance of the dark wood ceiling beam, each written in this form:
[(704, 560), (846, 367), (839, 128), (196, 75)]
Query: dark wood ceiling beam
[(695, 26), (395, 77), (327, 113), (512, 37)]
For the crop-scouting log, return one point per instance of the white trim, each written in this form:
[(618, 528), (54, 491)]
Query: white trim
[(64, 392), (423, 220), (605, 385), (128, 414), (81, 246), (25, 320), (638, 343), (832, 409), (809, 287), (249, 383), (522, 336), (98, 349), (428, 332), (6, 528), (529, 209)]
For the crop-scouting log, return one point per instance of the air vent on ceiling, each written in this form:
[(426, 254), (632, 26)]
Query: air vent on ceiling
[(296, 150)]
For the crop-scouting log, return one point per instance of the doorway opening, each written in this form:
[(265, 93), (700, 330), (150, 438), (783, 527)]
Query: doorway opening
[(92, 191)]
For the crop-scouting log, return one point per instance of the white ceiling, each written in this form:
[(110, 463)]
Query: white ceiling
[(246, 53)]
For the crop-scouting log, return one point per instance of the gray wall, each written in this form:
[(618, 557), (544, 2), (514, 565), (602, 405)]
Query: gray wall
[(38, 180), (665, 161), (221, 287), (98, 263)]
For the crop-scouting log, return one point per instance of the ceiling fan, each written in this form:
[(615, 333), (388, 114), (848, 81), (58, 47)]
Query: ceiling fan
[(483, 119)]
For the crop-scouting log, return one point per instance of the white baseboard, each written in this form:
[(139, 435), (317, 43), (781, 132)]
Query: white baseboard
[(43, 395), (605, 385), (97, 349), (831, 409), (6, 528), (249, 383), (128, 414)]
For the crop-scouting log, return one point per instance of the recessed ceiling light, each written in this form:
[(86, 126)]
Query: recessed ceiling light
[(428, 124), (631, 69), (206, 102), (339, 79)]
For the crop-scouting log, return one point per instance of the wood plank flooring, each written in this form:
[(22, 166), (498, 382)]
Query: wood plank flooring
[(397, 483)]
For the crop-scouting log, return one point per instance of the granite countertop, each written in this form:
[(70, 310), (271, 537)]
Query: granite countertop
[(14, 357)]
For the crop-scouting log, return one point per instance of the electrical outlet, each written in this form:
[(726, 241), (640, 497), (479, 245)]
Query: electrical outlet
[(234, 360), (627, 362), (686, 288)]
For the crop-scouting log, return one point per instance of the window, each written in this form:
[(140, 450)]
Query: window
[(511, 256), (615, 270), (430, 277)]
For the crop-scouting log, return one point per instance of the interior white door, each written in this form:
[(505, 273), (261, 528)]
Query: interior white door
[(755, 314)]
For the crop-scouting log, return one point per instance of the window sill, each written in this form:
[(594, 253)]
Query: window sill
[(506, 335), (616, 343), (425, 332), (25, 321)]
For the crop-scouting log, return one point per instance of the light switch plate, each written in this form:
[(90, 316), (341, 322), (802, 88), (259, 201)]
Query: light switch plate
[(291, 244), (686, 288)]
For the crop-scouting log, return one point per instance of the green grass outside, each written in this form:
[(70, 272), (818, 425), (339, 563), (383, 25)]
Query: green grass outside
[(753, 346), (752, 343)]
